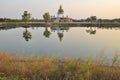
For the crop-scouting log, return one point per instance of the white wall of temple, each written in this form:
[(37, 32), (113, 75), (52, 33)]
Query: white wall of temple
[(60, 16)]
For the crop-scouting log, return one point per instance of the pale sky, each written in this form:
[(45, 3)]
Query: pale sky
[(73, 8)]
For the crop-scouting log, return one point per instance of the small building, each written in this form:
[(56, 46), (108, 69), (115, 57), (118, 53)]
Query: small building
[(60, 16)]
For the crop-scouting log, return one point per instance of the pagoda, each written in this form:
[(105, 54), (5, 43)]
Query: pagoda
[(60, 12), (60, 16)]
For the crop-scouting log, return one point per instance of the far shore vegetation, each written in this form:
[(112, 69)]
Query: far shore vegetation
[(27, 20), (74, 20), (27, 17), (32, 67)]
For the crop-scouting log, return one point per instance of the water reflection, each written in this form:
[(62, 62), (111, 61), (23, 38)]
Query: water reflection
[(76, 41), (1, 25), (46, 33), (27, 35), (60, 31), (91, 31)]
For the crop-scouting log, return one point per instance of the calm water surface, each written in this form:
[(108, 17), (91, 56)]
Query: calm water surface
[(65, 42)]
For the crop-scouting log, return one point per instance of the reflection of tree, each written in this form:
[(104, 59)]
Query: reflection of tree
[(91, 31), (46, 33), (27, 35)]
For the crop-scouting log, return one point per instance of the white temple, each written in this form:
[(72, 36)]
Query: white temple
[(60, 13), (60, 16)]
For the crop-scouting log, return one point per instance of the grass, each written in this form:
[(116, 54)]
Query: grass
[(16, 67)]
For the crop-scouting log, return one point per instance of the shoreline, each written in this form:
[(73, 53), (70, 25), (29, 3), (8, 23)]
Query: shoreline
[(64, 24)]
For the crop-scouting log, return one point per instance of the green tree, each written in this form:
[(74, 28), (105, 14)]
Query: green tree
[(93, 18), (26, 17), (88, 19), (46, 17)]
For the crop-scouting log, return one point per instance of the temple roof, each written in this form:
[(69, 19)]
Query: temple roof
[(60, 11)]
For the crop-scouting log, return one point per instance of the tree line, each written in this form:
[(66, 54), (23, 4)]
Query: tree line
[(46, 16)]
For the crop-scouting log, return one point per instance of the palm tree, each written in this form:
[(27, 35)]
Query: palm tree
[(26, 17)]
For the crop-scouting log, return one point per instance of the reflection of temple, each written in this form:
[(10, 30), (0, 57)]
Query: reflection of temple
[(60, 31), (60, 16), (60, 34)]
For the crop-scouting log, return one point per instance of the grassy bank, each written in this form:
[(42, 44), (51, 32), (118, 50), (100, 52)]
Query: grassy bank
[(16, 67), (64, 24)]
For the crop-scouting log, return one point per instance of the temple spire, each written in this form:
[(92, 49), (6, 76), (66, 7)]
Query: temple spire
[(60, 6), (60, 11)]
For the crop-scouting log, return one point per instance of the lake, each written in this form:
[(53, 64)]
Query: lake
[(71, 42)]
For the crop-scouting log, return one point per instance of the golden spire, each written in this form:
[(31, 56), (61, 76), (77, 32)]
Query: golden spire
[(60, 11)]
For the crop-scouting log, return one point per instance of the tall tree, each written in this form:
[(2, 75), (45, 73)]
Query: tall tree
[(93, 18), (88, 19), (46, 17), (26, 17)]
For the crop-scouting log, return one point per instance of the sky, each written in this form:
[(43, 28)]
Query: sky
[(77, 9)]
